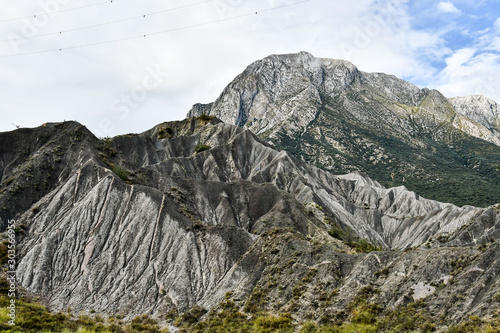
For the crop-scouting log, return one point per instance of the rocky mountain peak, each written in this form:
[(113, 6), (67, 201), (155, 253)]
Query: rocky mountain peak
[(324, 74), (328, 112), (479, 108), (295, 81)]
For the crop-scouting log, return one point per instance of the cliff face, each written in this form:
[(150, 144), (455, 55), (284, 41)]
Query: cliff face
[(482, 111), (180, 215), (329, 113)]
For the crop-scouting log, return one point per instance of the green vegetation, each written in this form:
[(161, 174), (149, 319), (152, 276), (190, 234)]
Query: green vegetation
[(359, 244), (364, 246), (205, 118), (459, 169), (229, 319), (107, 153), (33, 317), (270, 323), (255, 301), (164, 132), (475, 324), (76, 135), (410, 318), (201, 147), (458, 264), (121, 172), (361, 315), (107, 141), (4, 252), (8, 181), (190, 317)]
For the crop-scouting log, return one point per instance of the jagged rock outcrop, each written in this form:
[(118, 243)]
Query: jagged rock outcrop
[(482, 111), (188, 211), (329, 113)]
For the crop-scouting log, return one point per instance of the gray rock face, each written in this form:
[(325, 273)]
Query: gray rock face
[(295, 82), (329, 113), (482, 111), (282, 87), (199, 208)]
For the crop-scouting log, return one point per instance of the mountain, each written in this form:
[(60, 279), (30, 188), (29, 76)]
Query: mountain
[(482, 111), (199, 215), (329, 113)]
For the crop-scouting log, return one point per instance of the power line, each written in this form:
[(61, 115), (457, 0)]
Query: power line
[(56, 12), (105, 23), (158, 32)]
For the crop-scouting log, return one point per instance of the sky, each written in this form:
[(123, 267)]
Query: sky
[(124, 66)]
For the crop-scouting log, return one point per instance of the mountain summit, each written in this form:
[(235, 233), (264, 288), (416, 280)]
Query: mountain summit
[(329, 113)]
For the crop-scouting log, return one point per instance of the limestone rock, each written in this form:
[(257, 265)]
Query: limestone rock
[(182, 214), (329, 113)]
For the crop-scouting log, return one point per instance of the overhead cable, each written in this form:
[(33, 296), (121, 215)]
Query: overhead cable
[(105, 23), (157, 32), (56, 12)]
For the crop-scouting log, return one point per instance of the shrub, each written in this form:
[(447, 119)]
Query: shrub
[(366, 313), (4, 253), (164, 132), (106, 140), (364, 246), (337, 232), (206, 117), (268, 324), (359, 244), (8, 181), (144, 324), (255, 301), (408, 318), (309, 327), (201, 147), (121, 172), (190, 317)]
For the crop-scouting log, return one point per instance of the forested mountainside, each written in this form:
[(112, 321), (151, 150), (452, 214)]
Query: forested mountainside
[(329, 113)]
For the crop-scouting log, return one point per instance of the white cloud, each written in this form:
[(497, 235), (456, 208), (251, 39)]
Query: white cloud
[(460, 57), (467, 73), (495, 44), (448, 7), (497, 25), (472, 70)]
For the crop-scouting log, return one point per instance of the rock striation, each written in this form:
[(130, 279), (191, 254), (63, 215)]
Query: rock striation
[(189, 211)]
